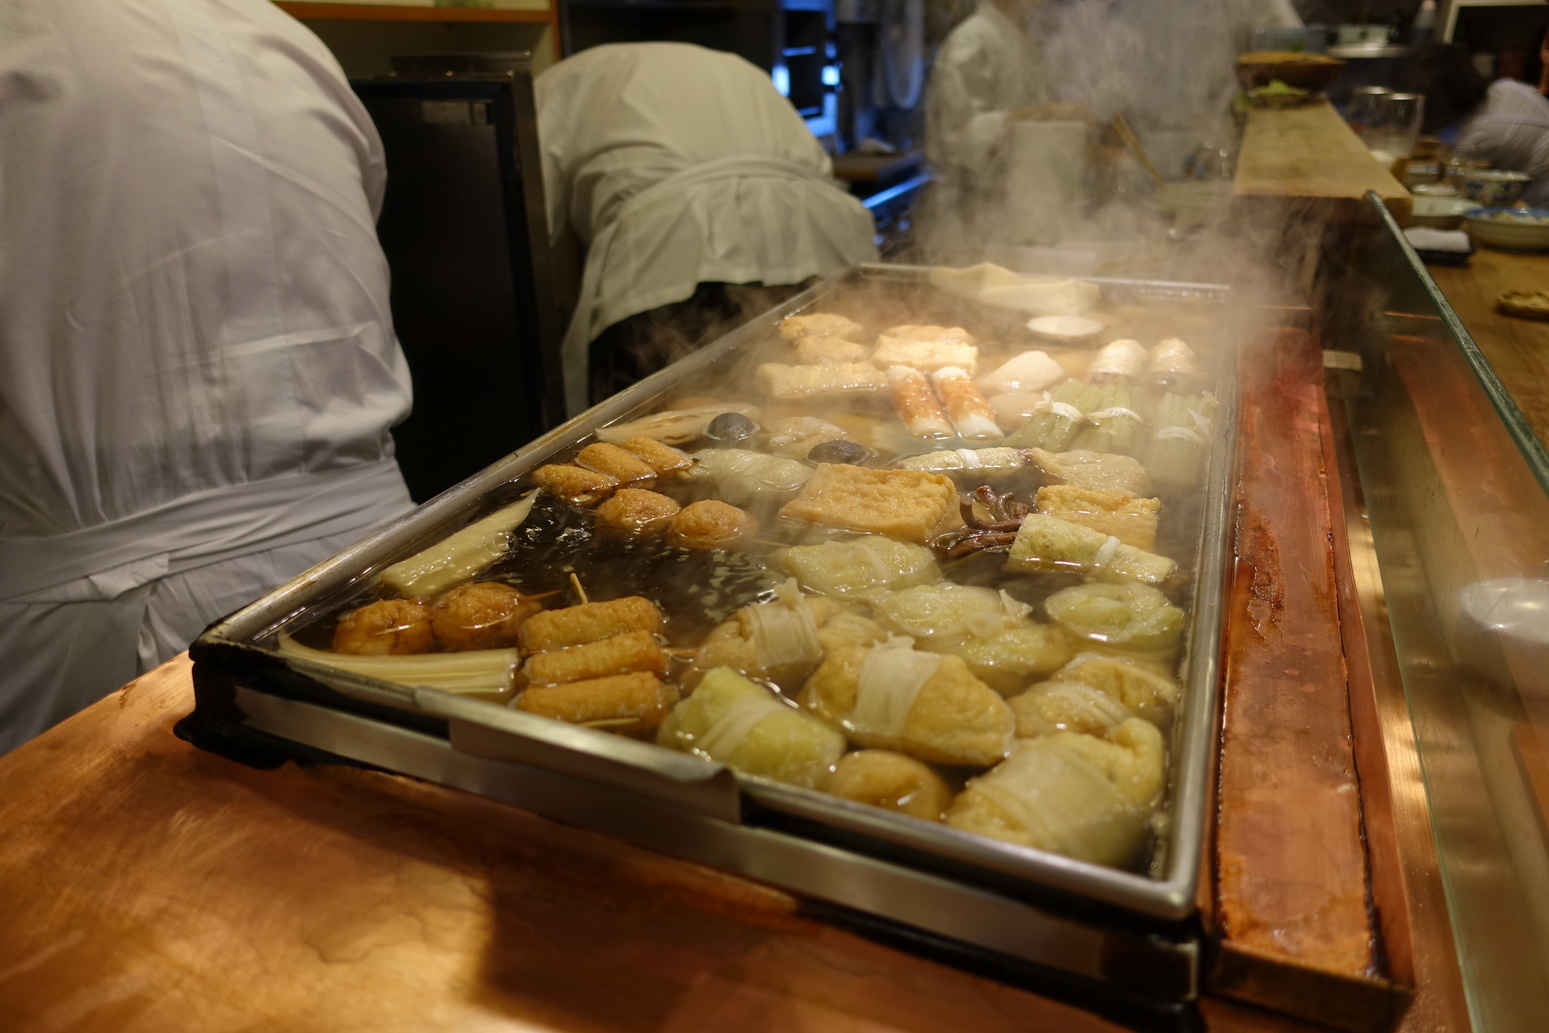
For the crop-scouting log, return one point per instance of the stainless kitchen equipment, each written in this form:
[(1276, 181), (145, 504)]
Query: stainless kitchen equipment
[(1132, 933)]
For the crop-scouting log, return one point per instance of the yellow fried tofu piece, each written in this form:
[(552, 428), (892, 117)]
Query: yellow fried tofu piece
[(903, 504), (1066, 706), (1146, 690), (630, 704), (927, 348), (1129, 518), (926, 705)]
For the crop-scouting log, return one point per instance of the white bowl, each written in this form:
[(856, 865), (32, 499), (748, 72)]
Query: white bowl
[(1442, 212), (1522, 229)]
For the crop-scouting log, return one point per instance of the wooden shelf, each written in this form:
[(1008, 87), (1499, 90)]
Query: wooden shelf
[(307, 11)]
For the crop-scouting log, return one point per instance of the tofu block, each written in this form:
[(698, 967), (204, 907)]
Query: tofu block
[(815, 351), (828, 380), (903, 504), (926, 348)]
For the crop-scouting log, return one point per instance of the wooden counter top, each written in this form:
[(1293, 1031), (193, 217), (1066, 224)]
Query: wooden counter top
[(1309, 154), (1518, 349)]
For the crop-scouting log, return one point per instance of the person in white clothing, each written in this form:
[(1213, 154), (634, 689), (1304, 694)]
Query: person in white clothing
[(679, 167), (198, 370)]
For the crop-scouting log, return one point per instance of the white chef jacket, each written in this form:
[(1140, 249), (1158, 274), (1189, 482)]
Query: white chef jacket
[(197, 363), (680, 165), (986, 68), (1511, 131)]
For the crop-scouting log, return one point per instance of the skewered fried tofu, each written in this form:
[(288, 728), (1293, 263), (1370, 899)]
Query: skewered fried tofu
[(387, 627), (926, 348), (659, 457), (589, 622), (618, 463), (630, 704), (637, 513), (1130, 519), (746, 726), (892, 781), (1046, 543), (1099, 470), (905, 504), (1074, 794), (710, 524), (483, 615), (820, 324), (827, 380), (622, 654), (574, 483), (814, 351), (927, 705)]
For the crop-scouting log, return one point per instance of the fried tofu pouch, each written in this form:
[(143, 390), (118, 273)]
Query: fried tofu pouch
[(747, 727), (926, 705), (1130, 519), (630, 704), (867, 569), (1131, 619), (990, 631), (781, 641), (1143, 689), (891, 781), (1047, 543), (1066, 706), (1079, 795)]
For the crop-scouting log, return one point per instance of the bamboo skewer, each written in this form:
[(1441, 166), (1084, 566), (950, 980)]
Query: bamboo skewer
[(1121, 126)]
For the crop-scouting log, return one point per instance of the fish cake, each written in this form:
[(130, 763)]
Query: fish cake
[(630, 704), (387, 627), (658, 456), (482, 615), (710, 524), (902, 504), (574, 483), (820, 324), (589, 622), (622, 654), (637, 512), (618, 463)]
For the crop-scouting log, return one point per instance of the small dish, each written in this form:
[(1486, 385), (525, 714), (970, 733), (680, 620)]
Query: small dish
[(1518, 229), (1494, 188), (1443, 211)]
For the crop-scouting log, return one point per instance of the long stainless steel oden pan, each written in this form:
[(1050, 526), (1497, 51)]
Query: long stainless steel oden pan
[(1129, 929)]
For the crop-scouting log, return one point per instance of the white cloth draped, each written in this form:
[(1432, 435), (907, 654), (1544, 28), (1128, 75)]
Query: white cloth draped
[(197, 363)]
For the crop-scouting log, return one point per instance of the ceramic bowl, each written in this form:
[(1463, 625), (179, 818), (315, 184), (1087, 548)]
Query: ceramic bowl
[(1521, 229), (1442, 212), (1494, 188)]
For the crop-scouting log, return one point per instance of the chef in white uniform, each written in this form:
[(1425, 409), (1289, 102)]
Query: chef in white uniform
[(682, 166), (197, 364)]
